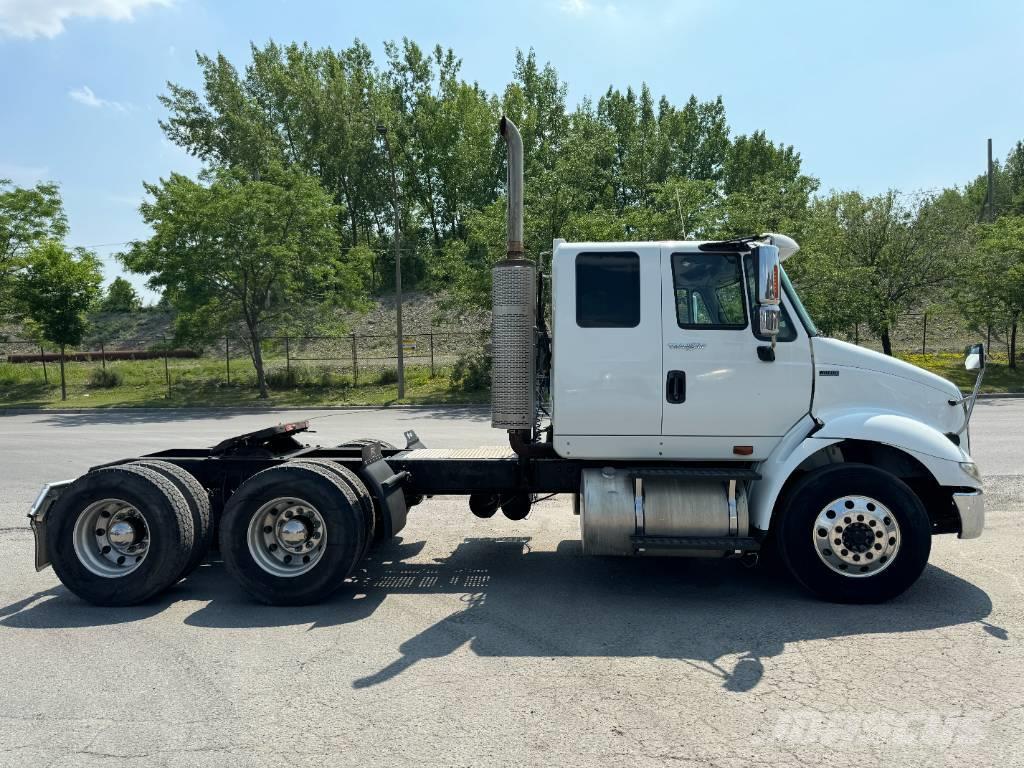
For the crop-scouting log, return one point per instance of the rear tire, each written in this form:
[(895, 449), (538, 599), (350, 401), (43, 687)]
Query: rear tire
[(199, 505), (359, 442), (853, 533), (144, 556), (279, 565), (358, 488)]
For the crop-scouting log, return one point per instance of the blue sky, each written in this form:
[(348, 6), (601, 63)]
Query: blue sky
[(872, 94)]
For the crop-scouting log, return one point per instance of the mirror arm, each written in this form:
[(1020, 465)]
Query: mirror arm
[(968, 401)]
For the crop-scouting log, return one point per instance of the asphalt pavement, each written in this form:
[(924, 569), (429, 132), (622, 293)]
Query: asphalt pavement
[(471, 642)]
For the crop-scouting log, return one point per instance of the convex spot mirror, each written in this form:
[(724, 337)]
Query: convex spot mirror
[(975, 359)]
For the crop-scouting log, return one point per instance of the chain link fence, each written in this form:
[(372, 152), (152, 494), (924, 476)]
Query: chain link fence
[(352, 359), (932, 333)]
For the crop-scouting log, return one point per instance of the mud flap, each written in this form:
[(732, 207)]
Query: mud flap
[(386, 488)]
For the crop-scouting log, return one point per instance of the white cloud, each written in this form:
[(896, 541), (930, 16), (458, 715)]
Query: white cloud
[(45, 18), (576, 7), (581, 8), (85, 95)]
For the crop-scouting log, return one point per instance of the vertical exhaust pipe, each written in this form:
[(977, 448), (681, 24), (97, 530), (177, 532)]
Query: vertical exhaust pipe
[(510, 133), (514, 314)]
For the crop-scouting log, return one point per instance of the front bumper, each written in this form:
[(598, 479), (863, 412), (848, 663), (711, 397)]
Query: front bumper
[(971, 506)]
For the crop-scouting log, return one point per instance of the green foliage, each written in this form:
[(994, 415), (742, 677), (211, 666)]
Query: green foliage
[(472, 372), (105, 378), (121, 297), (872, 259), (28, 217), (307, 377), (387, 376), (244, 253), (55, 290), (992, 285), (628, 167)]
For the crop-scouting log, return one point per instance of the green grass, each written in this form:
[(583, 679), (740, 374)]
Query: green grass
[(203, 383), (999, 377)]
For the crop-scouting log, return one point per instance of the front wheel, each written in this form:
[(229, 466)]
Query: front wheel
[(853, 533)]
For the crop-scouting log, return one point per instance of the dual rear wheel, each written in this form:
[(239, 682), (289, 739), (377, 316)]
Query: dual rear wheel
[(120, 535), (291, 534)]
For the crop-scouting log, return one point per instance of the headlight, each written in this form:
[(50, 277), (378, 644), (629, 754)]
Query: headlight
[(970, 468)]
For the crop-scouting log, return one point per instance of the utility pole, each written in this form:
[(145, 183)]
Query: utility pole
[(383, 131), (991, 188)]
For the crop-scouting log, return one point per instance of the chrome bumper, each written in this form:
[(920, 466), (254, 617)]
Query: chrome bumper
[(971, 506), (37, 519)]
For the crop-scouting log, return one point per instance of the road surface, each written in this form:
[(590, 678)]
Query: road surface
[(490, 643)]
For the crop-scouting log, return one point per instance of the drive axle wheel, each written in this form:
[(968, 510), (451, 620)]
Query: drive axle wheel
[(291, 534), (120, 535), (351, 479), (854, 533), (198, 503)]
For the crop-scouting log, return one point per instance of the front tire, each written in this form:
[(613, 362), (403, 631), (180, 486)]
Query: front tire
[(853, 533)]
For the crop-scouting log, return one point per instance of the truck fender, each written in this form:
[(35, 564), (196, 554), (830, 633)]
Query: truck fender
[(795, 447), (937, 453)]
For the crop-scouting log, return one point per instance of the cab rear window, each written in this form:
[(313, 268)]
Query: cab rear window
[(608, 290)]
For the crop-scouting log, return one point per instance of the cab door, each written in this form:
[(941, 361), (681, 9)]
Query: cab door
[(721, 400), (606, 381)]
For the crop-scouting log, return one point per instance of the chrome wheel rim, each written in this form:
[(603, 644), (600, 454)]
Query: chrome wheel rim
[(856, 536), (111, 538), (286, 537)]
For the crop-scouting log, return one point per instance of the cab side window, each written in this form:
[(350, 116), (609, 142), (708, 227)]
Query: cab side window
[(709, 291)]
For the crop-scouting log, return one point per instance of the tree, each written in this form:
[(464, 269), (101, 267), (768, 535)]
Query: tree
[(992, 282), (28, 217), (245, 253), (871, 260), (55, 290), (121, 297)]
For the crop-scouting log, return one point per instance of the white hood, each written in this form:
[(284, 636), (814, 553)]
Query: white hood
[(847, 376)]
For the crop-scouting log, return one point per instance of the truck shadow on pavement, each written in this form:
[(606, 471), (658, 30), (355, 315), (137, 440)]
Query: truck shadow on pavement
[(715, 615)]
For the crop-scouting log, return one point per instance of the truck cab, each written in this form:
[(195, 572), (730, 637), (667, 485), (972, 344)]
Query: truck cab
[(657, 354)]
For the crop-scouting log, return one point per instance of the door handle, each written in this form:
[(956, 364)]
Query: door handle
[(675, 387)]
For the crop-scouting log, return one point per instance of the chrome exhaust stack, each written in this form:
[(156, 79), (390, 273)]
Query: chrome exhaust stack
[(514, 314), (510, 133)]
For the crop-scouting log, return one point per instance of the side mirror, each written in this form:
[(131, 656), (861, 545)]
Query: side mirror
[(975, 360), (769, 289), (769, 279)]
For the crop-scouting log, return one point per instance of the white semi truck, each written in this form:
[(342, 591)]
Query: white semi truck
[(682, 396)]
